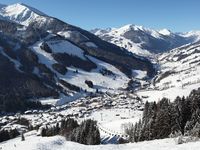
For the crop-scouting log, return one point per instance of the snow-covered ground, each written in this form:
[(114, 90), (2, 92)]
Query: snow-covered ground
[(135, 38), (118, 39), (22, 13), (179, 74), (33, 142), (171, 93), (101, 82), (112, 113), (114, 120)]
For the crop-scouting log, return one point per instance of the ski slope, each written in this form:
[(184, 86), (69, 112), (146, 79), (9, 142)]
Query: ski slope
[(33, 142)]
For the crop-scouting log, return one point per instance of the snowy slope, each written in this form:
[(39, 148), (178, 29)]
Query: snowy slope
[(115, 36), (21, 13), (165, 32), (63, 57), (178, 76), (194, 34), (114, 120), (144, 41), (33, 142), (101, 82)]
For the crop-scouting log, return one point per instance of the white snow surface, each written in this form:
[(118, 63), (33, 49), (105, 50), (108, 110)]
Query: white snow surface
[(21, 13), (171, 93), (139, 74), (183, 63), (195, 34), (120, 40), (165, 32), (101, 82), (104, 83), (66, 34), (114, 120), (63, 46), (116, 36), (33, 142)]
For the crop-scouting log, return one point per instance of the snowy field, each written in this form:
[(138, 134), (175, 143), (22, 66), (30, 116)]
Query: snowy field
[(171, 93), (33, 142), (112, 122)]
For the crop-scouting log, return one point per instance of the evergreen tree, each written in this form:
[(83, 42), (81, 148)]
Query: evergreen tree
[(87, 133), (164, 119)]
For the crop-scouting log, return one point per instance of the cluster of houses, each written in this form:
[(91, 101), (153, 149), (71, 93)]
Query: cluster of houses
[(79, 109), (83, 107)]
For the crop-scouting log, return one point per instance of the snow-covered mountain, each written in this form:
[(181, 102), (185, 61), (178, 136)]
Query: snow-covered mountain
[(21, 13), (49, 57), (42, 56), (178, 75), (145, 41), (180, 65)]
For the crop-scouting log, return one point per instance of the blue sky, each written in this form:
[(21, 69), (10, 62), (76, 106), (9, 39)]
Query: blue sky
[(176, 15)]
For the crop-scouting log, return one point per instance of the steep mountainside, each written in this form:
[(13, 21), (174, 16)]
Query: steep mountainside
[(180, 65), (42, 56), (179, 73), (144, 41)]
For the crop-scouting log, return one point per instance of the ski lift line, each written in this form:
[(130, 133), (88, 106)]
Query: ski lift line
[(106, 131)]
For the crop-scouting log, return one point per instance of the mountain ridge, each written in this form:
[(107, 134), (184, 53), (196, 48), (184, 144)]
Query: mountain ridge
[(50, 58), (145, 41)]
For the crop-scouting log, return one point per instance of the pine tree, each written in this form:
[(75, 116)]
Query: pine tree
[(146, 112), (87, 133), (167, 118)]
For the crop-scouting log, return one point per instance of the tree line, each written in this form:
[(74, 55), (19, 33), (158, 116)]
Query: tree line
[(85, 133), (8, 134), (168, 119), (20, 105)]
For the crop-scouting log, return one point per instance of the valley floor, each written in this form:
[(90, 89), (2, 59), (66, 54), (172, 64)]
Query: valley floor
[(33, 142)]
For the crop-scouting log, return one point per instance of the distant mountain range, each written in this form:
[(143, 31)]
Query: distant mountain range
[(144, 41), (42, 56), (175, 55)]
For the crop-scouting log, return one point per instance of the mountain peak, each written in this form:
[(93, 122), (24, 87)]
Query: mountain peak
[(165, 32), (20, 13), (21, 7), (131, 27)]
